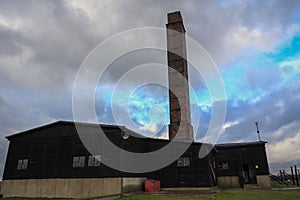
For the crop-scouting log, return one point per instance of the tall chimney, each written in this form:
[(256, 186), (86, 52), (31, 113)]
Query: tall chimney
[(179, 103)]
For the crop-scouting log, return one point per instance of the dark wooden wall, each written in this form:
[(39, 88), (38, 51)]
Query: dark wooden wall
[(252, 155), (50, 152)]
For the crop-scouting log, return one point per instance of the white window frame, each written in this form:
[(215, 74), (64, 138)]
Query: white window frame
[(22, 164), (78, 161), (223, 165), (183, 162), (94, 161)]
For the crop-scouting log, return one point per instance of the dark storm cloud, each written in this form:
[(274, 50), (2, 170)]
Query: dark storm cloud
[(274, 13), (56, 38), (9, 41), (131, 60), (273, 111), (68, 35), (2, 101), (216, 27)]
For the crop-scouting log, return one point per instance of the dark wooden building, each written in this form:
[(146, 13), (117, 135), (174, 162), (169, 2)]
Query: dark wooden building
[(56, 151), (241, 164)]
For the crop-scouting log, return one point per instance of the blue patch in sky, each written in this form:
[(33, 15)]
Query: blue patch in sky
[(149, 105), (249, 77), (286, 50), (257, 73), (224, 3), (297, 19)]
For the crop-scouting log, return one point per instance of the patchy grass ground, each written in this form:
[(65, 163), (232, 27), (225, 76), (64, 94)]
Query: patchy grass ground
[(231, 194), (141, 197), (278, 185), (228, 194), (22, 198), (238, 194)]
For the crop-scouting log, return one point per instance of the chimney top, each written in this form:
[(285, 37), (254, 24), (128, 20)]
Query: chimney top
[(174, 17)]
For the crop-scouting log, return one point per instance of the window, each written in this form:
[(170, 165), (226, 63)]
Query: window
[(183, 162), (223, 165), (78, 161), (94, 161), (22, 164)]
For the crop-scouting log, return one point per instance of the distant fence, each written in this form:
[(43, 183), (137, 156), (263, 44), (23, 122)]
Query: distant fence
[(285, 176)]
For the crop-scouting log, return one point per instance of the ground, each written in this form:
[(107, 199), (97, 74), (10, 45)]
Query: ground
[(289, 184), (229, 194)]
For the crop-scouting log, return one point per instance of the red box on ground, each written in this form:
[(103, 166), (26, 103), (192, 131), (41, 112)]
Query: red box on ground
[(152, 185)]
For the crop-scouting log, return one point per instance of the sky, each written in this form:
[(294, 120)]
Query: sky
[(255, 45)]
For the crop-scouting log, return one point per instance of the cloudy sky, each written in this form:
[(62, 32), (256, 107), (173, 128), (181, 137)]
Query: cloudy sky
[(255, 44)]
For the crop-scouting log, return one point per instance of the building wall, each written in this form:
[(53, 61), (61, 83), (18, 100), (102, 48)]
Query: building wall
[(132, 184), (71, 188), (0, 189), (241, 159), (264, 181), (228, 182), (197, 174), (50, 151), (236, 156), (62, 188)]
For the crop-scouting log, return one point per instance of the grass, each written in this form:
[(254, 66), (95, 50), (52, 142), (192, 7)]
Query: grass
[(228, 194), (231, 194), (278, 185), (237, 194), (142, 197), (25, 198)]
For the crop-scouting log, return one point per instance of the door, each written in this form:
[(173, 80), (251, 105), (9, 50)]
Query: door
[(246, 174), (184, 172), (249, 174)]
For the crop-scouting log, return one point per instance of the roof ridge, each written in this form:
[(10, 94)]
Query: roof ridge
[(64, 122)]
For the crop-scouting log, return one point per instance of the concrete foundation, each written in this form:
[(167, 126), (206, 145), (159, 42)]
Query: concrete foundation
[(70, 188), (132, 184), (228, 182), (264, 182)]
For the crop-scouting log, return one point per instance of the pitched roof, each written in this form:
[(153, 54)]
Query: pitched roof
[(231, 145), (123, 128), (130, 132)]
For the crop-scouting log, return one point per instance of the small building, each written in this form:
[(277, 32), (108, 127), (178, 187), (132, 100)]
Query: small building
[(242, 164)]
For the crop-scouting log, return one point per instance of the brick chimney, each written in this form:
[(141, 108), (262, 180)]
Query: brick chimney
[(179, 112)]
